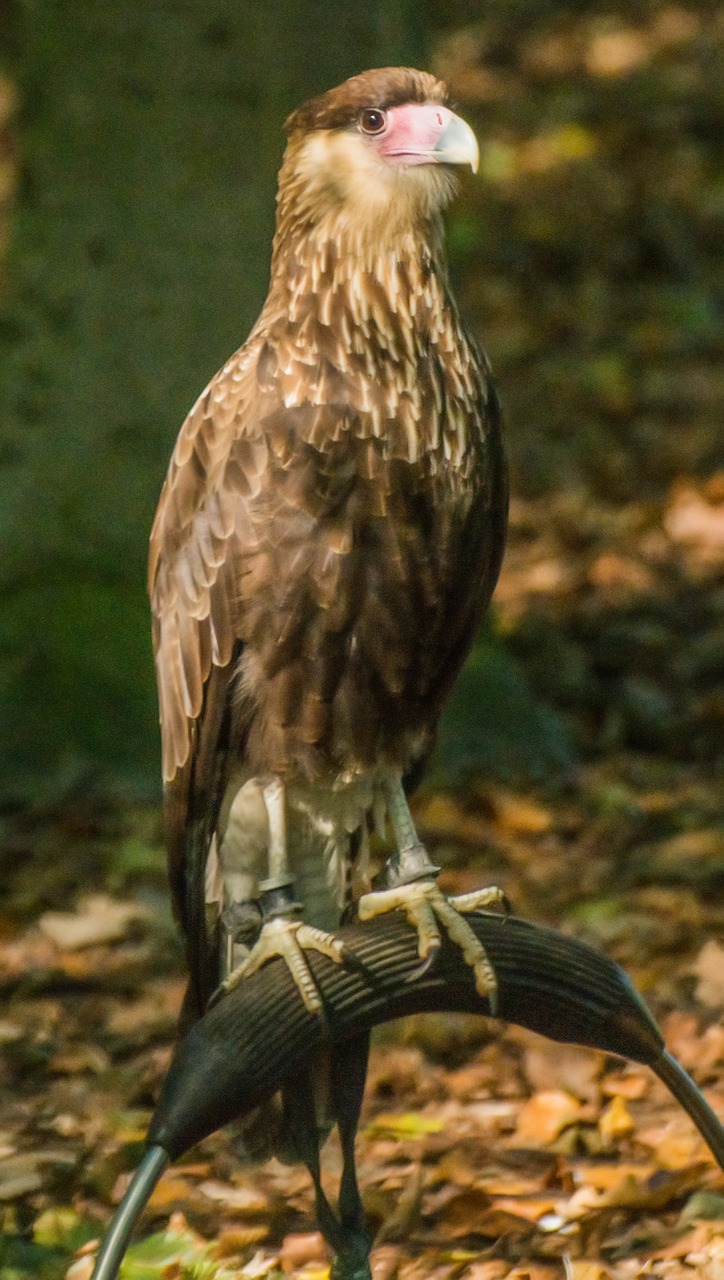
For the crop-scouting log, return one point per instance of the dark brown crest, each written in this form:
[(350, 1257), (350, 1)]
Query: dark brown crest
[(384, 87)]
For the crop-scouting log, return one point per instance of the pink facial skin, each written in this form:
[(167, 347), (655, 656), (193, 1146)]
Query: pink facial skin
[(412, 131)]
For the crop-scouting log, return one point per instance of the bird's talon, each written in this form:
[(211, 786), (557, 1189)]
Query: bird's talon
[(288, 938), (427, 908), (429, 965)]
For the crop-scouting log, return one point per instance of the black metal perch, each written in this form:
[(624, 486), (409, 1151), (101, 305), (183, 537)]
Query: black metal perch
[(260, 1037)]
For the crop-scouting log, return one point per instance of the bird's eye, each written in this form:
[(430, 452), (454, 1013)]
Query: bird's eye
[(372, 120)]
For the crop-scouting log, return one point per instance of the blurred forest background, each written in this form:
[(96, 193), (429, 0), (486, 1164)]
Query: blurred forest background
[(140, 148), (580, 764)]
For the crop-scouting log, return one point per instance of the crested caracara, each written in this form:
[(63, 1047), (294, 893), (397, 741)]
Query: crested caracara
[(328, 538)]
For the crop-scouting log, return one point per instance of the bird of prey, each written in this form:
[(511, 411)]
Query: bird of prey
[(327, 540)]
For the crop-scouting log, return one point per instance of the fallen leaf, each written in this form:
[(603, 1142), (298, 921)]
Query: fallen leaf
[(532, 1208), (620, 573), (604, 1177), (410, 1124), (510, 1186), (692, 1241), (519, 815), (81, 1269), (260, 1265), (301, 1248), (675, 1144), (631, 1191), (99, 919), (462, 1211), (546, 1115), (497, 1223), (170, 1190), (493, 1270), (566, 1067), (243, 1199), (235, 1240), (616, 1121), (406, 1213), (628, 1084), (691, 518), (385, 1261), (582, 1270)]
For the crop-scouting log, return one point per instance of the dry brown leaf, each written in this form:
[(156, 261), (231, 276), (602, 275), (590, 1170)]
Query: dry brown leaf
[(689, 1243), (532, 1207), (621, 573), (583, 1270), (498, 1222), (511, 1186), (495, 1269), (629, 1084), (546, 1115), (463, 1211), (441, 815), (235, 1240), (99, 919), (519, 815), (616, 1121), (708, 1259), (630, 1191), (301, 1248), (605, 1177), (170, 1190), (259, 1265), (471, 1081), (244, 1199), (81, 1269), (562, 1066), (385, 1261), (534, 1271), (675, 1143), (692, 519)]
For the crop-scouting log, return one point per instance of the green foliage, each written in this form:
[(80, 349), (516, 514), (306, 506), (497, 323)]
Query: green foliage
[(56, 1235), (149, 1259), (493, 724)]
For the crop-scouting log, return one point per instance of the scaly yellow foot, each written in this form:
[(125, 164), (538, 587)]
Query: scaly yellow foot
[(426, 908), (288, 938)]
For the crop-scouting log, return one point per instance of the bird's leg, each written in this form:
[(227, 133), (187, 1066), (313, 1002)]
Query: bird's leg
[(348, 1073), (410, 884), (283, 931), (300, 1124)]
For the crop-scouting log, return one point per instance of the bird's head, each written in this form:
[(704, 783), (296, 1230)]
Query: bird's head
[(376, 155)]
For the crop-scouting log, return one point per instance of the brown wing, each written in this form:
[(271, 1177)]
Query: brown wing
[(199, 529), (197, 540)]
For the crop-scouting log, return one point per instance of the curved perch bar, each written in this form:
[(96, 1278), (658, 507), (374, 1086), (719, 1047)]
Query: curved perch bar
[(260, 1035)]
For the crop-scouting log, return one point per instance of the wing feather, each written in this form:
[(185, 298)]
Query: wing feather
[(195, 547)]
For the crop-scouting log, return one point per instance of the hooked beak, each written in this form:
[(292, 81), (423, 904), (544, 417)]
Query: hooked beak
[(457, 144), (425, 133)]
